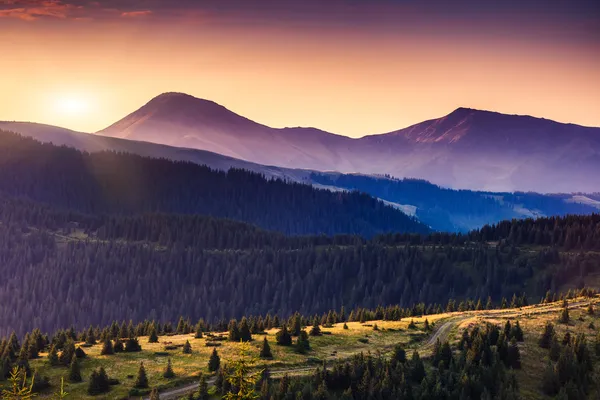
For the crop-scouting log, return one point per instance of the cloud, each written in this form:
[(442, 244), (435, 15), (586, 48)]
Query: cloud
[(135, 14), (33, 10)]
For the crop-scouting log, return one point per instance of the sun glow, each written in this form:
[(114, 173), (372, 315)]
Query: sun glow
[(71, 105)]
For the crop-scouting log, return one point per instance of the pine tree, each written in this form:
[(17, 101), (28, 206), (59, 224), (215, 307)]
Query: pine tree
[(107, 348), (302, 343), (399, 354), (345, 326), (417, 368), (53, 356), (245, 335), (203, 388), (517, 332), (118, 347), (426, 326), (564, 315), (549, 380), (67, 354), (283, 337), (141, 381), (198, 333), (74, 371), (297, 324), (234, 331), (168, 374), (590, 310), (546, 338), (153, 336), (132, 345), (489, 305), (555, 348), (513, 355), (99, 382), (187, 347), (214, 362), (265, 351), (90, 336), (316, 330)]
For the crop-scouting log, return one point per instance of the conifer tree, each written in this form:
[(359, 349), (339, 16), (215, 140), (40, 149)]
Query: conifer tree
[(53, 356), (302, 343), (74, 371), (555, 348), (316, 330), (245, 335), (153, 336), (90, 336), (265, 351), (489, 305), (118, 347), (345, 326), (168, 374), (214, 361), (141, 381), (546, 338), (203, 388), (283, 337), (564, 315), (198, 331), (234, 331), (107, 348), (187, 347), (67, 354)]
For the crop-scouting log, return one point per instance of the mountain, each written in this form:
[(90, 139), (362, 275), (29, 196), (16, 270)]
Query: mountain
[(109, 182), (181, 120), (468, 148), (440, 208)]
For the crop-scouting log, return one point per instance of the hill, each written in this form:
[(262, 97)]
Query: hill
[(93, 269), (468, 149), (109, 182), (442, 209), (502, 345)]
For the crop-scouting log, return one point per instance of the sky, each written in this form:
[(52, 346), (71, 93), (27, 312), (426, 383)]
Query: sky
[(352, 67)]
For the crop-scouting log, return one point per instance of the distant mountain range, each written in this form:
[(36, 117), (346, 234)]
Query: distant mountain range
[(440, 208), (467, 149)]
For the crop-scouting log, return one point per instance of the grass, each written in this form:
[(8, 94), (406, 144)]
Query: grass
[(336, 343)]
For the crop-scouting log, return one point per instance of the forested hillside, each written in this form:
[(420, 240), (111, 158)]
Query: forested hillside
[(61, 268), (108, 182), (451, 210)]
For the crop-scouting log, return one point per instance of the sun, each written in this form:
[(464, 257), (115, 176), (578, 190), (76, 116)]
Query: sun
[(71, 105)]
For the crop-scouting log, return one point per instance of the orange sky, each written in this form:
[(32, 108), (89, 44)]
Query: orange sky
[(368, 71)]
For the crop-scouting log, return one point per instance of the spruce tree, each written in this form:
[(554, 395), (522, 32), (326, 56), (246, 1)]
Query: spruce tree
[(564, 315), (198, 333), (203, 388), (74, 371), (214, 361), (234, 331), (302, 343), (245, 335), (107, 348), (153, 336), (53, 356), (118, 347), (265, 351), (283, 337), (546, 338), (141, 381), (316, 331), (187, 347), (90, 336), (67, 354), (169, 374)]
